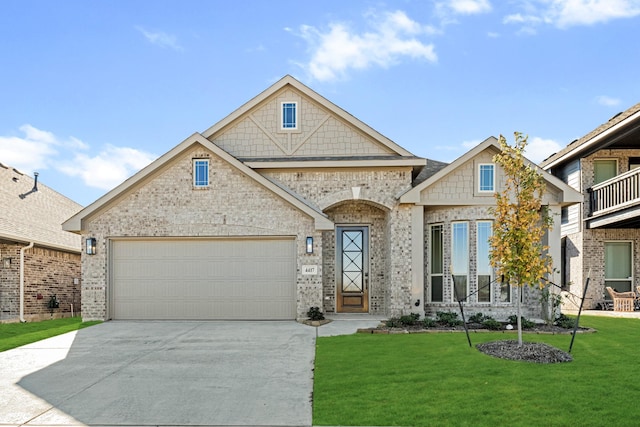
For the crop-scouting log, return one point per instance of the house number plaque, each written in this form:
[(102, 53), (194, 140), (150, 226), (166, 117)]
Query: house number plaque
[(309, 270)]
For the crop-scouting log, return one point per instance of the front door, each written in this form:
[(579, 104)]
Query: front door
[(352, 244)]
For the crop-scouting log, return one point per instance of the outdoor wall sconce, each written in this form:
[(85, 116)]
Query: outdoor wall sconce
[(309, 245), (6, 262), (91, 246)]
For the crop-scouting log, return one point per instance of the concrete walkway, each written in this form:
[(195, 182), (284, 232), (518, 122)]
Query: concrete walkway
[(167, 373)]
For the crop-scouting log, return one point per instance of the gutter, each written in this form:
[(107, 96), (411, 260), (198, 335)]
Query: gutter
[(22, 280)]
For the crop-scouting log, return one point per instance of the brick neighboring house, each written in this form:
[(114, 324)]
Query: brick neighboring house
[(601, 235), (291, 202), (32, 214)]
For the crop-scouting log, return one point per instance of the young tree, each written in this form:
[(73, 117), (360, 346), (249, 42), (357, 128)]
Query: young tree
[(517, 250)]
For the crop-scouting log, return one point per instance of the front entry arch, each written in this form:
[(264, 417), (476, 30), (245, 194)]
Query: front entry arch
[(352, 269)]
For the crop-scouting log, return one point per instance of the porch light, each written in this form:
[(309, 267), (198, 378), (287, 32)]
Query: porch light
[(309, 244), (91, 246), (6, 262)]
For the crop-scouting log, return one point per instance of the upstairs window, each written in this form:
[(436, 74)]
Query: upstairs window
[(200, 172), (604, 169), (289, 115), (486, 177)]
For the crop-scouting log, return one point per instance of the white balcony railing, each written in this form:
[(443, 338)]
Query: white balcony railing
[(616, 193)]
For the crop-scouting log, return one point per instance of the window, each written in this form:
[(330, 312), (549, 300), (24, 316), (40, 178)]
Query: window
[(289, 115), (486, 177), (483, 266), (617, 266), (436, 264), (200, 172), (460, 259), (604, 169)]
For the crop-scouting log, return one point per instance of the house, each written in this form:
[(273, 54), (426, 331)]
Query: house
[(38, 259), (600, 236), (288, 203)]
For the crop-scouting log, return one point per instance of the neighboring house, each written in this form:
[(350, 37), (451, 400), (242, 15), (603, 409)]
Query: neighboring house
[(291, 202), (601, 235), (32, 242)]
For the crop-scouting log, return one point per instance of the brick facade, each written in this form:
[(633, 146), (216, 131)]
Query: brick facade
[(585, 249), (47, 272)]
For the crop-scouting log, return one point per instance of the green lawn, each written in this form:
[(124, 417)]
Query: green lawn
[(14, 335), (437, 380)]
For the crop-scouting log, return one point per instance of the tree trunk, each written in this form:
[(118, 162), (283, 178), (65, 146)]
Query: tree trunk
[(519, 316)]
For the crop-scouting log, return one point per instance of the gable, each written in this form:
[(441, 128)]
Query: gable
[(165, 195), (457, 183), (323, 130)]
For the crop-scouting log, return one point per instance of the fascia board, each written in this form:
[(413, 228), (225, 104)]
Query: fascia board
[(591, 142), (18, 239)]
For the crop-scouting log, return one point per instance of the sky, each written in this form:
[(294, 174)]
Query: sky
[(91, 91)]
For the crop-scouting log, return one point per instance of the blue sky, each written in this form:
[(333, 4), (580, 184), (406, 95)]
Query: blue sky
[(92, 91)]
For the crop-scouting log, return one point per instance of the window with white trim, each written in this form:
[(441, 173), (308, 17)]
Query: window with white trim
[(436, 264), (200, 172), (486, 177), (483, 265), (460, 260), (618, 266), (289, 115), (604, 169)]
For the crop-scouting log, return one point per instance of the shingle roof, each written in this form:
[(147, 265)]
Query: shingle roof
[(618, 118), (37, 216)]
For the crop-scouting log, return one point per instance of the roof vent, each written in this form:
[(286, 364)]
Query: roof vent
[(35, 186), (615, 116)]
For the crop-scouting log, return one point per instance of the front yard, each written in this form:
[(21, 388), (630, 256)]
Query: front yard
[(14, 335), (437, 380)]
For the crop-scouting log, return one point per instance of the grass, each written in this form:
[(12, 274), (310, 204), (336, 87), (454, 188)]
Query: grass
[(14, 335), (437, 380)]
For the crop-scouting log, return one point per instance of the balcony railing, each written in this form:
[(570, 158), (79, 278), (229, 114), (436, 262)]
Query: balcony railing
[(616, 193)]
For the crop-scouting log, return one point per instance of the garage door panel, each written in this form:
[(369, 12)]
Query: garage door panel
[(203, 279)]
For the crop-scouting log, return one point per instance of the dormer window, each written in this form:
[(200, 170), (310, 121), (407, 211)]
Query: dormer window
[(486, 177), (289, 115)]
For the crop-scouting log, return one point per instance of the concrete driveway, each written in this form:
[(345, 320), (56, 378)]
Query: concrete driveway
[(166, 373)]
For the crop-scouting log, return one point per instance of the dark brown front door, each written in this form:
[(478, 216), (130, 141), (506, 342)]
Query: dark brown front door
[(352, 246)]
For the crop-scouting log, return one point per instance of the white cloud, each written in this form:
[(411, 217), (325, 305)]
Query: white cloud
[(469, 7), (36, 150), (568, 13), (109, 168), (160, 38), (339, 49), (607, 101), (471, 144), (539, 149)]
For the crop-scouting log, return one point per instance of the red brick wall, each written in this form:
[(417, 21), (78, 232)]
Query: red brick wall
[(47, 272)]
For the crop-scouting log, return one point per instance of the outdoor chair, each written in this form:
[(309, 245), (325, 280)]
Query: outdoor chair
[(622, 301)]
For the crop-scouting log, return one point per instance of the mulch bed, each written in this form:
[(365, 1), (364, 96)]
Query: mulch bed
[(528, 351)]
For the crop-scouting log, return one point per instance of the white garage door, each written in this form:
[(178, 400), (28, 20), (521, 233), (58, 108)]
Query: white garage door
[(203, 279)]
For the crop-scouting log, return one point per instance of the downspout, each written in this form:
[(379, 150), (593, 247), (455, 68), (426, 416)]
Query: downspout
[(22, 281)]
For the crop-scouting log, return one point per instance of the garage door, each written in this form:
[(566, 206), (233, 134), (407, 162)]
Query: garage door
[(203, 279)]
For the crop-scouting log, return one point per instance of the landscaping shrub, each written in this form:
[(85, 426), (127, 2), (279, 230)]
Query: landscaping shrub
[(526, 323), (393, 322), (409, 319), (448, 318), (565, 322), (477, 318), (491, 323), (428, 322), (314, 313)]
